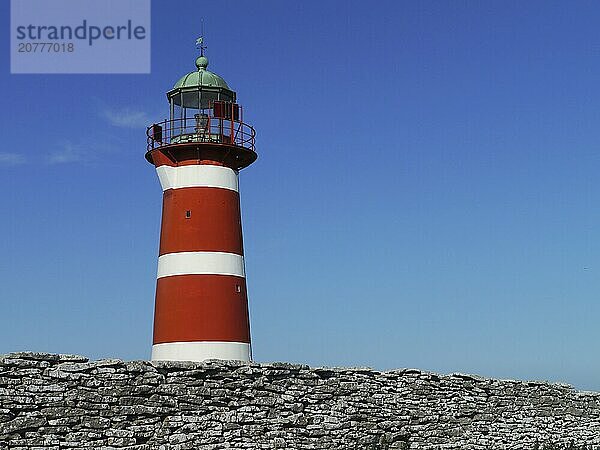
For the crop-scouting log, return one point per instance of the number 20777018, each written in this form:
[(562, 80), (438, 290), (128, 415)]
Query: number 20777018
[(46, 47)]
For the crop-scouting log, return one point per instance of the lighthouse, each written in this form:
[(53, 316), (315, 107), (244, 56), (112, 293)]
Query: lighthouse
[(201, 304)]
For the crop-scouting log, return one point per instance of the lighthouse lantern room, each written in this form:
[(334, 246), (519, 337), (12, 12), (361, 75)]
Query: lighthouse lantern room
[(201, 305)]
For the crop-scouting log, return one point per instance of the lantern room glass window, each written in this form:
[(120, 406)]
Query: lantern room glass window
[(185, 104)]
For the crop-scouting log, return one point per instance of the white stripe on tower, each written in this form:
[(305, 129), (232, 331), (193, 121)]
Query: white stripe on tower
[(201, 351), (197, 176), (200, 263)]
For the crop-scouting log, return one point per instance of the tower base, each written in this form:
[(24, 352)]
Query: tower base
[(200, 351)]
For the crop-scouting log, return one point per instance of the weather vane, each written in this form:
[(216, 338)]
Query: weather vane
[(200, 40), (200, 45)]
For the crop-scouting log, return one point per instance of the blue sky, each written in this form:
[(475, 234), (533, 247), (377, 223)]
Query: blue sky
[(425, 195)]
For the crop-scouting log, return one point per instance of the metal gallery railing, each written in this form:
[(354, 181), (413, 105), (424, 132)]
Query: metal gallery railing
[(202, 128)]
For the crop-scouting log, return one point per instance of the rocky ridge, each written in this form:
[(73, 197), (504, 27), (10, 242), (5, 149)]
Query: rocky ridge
[(61, 402)]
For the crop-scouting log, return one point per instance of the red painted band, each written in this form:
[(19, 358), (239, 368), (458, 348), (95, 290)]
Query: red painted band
[(186, 157), (192, 308), (198, 219)]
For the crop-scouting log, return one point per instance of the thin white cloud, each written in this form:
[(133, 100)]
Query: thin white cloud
[(126, 118), (11, 159), (67, 154)]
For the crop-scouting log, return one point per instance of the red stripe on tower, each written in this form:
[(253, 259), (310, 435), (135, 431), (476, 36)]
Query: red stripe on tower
[(201, 309)]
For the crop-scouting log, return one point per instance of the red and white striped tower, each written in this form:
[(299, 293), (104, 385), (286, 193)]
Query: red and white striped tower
[(201, 309)]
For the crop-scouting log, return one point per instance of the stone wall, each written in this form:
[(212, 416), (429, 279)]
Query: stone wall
[(62, 401)]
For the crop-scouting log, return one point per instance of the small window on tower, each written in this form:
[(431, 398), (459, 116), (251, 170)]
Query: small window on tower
[(238, 288), (188, 214)]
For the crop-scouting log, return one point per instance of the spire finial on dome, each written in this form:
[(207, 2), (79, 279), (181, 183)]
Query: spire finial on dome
[(201, 61)]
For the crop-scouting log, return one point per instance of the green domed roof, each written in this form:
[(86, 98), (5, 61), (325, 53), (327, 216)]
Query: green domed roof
[(201, 77)]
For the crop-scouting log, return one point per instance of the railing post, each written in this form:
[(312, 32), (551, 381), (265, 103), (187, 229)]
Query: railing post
[(232, 119)]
